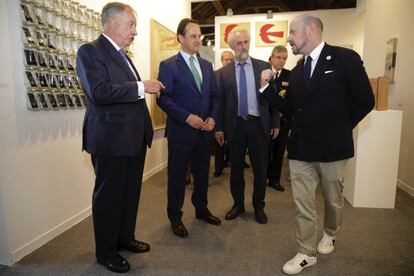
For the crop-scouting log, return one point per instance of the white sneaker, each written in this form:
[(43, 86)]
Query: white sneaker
[(327, 244), (298, 263)]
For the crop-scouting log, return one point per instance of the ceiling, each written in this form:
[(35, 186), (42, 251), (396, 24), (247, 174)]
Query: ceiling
[(205, 11)]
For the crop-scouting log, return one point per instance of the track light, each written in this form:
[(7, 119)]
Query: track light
[(269, 14)]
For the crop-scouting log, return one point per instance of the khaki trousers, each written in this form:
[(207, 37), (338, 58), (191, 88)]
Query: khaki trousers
[(305, 177)]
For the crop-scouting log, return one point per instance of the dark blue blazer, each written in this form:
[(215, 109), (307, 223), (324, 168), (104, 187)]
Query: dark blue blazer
[(116, 122), (337, 98), (181, 97)]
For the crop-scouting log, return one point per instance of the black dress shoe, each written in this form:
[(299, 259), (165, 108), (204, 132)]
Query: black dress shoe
[(260, 216), (234, 212), (179, 229), (246, 166), (115, 264), (276, 185), (209, 218), (135, 246), (217, 173)]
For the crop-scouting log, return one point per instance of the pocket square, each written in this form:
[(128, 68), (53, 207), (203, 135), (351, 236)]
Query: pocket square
[(329, 71)]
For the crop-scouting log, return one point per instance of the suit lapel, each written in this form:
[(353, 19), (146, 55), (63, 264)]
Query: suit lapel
[(204, 72), (117, 57), (323, 61), (232, 74), (256, 75), (182, 64), (133, 67)]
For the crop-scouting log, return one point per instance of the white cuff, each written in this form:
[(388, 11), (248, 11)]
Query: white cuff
[(141, 90), (263, 88)]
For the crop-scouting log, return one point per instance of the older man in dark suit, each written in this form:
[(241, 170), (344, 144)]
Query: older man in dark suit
[(246, 122), (329, 94), (191, 103), (116, 132)]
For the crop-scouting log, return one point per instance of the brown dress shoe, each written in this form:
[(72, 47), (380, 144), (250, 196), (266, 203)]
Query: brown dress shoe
[(179, 229), (209, 218), (234, 212), (260, 216)]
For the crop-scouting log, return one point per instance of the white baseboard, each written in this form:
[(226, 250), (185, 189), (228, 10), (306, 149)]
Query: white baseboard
[(31, 246), (404, 186), (154, 170)]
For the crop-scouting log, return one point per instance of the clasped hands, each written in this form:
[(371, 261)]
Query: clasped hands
[(198, 123)]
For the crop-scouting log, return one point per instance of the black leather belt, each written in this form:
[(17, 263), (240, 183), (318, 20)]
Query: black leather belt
[(250, 117)]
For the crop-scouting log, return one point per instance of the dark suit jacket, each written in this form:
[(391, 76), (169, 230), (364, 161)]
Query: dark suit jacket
[(281, 85), (324, 113), (181, 97), (229, 100), (116, 123)]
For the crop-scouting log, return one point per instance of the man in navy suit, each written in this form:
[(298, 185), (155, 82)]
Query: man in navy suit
[(246, 123), (328, 95), (116, 132), (191, 103)]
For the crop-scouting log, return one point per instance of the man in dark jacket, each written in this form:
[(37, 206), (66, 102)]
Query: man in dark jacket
[(246, 122), (277, 146), (116, 132), (328, 95)]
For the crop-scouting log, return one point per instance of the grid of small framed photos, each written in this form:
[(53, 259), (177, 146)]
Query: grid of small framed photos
[(52, 32)]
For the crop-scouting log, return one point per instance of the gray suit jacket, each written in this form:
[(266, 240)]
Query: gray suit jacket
[(229, 100)]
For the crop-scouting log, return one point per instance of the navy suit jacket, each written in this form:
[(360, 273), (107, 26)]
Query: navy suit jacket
[(181, 97), (229, 101), (337, 98), (116, 122)]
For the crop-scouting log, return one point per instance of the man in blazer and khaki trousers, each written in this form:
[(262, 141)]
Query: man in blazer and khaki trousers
[(328, 95)]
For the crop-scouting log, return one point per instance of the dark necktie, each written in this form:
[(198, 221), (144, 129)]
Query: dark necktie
[(307, 70), (277, 75), (244, 109), (123, 55)]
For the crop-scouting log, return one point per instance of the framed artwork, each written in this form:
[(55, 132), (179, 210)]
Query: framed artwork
[(164, 44), (390, 59), (271, 33), (226, 28)]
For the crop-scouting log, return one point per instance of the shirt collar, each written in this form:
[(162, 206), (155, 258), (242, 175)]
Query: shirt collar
[(112, 42), (316, 52), (187, 56), (248, 61)]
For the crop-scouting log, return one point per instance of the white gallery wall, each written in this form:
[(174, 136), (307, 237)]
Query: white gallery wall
[(386, 19), (341, 27), (46, 181)]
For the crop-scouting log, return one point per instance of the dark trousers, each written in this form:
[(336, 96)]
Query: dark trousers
[(221, 156), (249, 136), (115, 200), (179, 155), (277, 151)]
